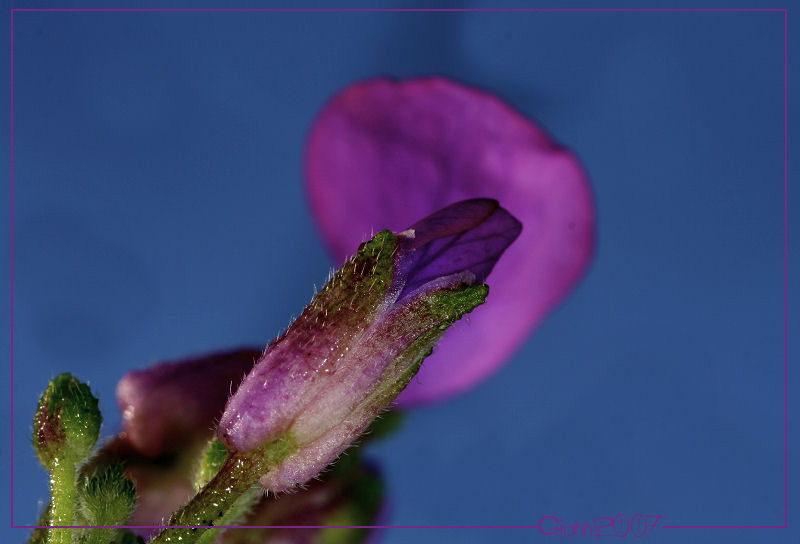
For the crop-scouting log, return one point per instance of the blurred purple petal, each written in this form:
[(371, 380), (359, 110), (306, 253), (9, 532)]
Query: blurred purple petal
[(176, 404), (383, 153)]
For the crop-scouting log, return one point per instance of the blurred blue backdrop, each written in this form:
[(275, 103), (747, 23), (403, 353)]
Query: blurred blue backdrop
[(159, 211)]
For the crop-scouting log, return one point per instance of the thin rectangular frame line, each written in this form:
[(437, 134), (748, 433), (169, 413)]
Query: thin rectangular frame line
[(278, 10)]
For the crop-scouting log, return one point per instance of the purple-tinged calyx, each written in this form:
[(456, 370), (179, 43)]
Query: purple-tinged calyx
[(364, 336)]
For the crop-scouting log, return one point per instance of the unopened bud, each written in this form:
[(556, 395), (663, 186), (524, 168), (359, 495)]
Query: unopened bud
[(66, 423), (364, 337), (107, 497)]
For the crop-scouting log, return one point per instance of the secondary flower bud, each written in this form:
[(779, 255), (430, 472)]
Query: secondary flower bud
[(106, 496), (364, 336), (173, 405), (67, 422), (162, 485)]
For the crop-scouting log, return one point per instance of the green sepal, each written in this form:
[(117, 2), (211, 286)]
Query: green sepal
[(436, 312)]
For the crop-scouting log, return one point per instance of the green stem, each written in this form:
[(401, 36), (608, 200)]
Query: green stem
[(237, 475), (62, 493), (235, 513)]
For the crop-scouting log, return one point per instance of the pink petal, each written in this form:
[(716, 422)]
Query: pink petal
[(383, 153)]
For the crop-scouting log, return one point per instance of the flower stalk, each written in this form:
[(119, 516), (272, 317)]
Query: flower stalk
[(237, 475), (63, 492)]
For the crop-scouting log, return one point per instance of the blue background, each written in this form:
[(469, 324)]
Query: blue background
[(159, 211)]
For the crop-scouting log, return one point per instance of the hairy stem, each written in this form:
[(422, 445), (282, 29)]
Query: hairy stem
[(62, 500), (235, 513), (237, 475)]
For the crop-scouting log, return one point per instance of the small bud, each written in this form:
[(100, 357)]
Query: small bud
[(66, 423), (162, 485), (364, 336), (106, 496), (172, 406)]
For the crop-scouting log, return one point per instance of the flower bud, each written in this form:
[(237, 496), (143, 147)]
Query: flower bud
[(364, 336), (173, 405), (66, 423), (162, 485), (106, 497)]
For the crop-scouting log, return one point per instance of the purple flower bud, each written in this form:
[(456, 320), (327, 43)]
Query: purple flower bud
[(364, 336), (173, 405), (384, 152)]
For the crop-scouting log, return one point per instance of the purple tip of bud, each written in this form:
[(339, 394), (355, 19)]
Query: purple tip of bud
[(468, 236), (174, 404)]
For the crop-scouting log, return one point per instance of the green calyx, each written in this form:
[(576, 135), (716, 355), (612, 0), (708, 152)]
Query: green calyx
[(356, 291), (433, 314), (374, 262), (67, 421), (451, 304), (373, 266)]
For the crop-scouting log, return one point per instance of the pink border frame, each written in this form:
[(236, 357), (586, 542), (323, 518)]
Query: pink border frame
[(785, 265)]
